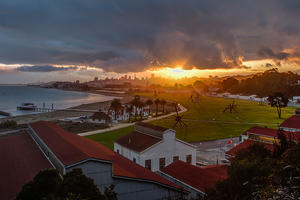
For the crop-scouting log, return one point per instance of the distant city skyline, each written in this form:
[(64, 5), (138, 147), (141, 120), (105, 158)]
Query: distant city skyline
[(61, 40)]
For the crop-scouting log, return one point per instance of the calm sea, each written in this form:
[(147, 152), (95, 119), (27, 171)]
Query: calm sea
[(12, 96)]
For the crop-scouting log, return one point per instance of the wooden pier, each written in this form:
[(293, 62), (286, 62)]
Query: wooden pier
[(4, 113), (44, 109), (68, 109)]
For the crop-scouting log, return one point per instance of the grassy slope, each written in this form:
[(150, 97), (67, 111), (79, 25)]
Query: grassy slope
[(208, 108), (109, 137)]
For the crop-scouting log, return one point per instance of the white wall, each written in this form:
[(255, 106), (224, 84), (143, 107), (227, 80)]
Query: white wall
[(167, 148), (127, 153)]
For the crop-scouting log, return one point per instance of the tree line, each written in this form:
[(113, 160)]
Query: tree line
[(264, 84)]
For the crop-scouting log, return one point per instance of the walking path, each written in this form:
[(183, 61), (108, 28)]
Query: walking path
[(123, 125), (228, 122)]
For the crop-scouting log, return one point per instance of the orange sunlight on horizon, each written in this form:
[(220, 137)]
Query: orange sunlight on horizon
[(178, 72)]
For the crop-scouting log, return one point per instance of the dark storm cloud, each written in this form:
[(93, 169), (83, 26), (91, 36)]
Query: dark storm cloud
[(269, 53), (134, 35), (44, 68)]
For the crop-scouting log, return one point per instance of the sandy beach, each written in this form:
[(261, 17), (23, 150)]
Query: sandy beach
[(57, 115)]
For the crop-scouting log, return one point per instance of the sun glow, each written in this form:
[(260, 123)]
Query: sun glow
[(176, 72)]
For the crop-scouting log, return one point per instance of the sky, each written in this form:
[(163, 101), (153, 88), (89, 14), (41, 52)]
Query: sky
[(45, 40)]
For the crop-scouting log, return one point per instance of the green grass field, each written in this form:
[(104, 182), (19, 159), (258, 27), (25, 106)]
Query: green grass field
[(210, 109), (109, 137)]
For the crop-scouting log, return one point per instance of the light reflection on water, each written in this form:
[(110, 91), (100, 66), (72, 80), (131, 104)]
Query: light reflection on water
[(12, 96)]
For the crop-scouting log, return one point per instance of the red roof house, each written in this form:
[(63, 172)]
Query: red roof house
[(193, 178)]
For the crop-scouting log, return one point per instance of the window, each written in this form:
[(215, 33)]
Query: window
[(189, 159), (118, 151), (134, 160), (175, 158), (162, 163), (148, 164)]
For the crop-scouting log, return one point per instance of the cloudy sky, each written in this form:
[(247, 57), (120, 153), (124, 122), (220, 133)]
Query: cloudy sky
[(43, 40)]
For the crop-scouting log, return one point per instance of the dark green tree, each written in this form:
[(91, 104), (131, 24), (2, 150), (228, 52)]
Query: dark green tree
[(76, 183), (49, 185), (250, 168), (157, 102), (279, 101), (116, 106), (149, 103), (163, 103), (230, 84), (44, 185)]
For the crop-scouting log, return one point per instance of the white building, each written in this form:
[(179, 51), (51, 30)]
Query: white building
[(154, 147), (124, 113)]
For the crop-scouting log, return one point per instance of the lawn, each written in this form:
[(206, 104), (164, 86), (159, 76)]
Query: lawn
[(109, 137), (211, 109), (222, 125)]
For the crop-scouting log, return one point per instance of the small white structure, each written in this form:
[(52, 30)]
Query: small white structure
[(154, 147), (127, 110), (99, 117), (121, 114)]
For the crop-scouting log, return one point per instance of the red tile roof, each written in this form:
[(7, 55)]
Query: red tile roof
[(21, 160), (292, 122), (71, 148), (262, 131), (246, 144), (151, 126), (295, 136), (124, 167), (137, 141), (199, 178)]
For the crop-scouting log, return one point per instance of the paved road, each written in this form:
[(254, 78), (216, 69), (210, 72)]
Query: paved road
[(209, 152), (123, 125)]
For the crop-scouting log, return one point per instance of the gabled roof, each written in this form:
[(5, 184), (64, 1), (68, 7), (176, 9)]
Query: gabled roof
[(137, 141), (196, 177), (21, 160), (292, 122), (232, 152), (124, 167), (71, 149), (151, 126), (262, 131), (294, 136)]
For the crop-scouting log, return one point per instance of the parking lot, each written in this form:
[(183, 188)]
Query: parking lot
[(213, 152)]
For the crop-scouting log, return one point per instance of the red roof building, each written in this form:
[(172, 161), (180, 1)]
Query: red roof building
[(21, 159), (291, 124), (154, 147), (193, 178), (67, 151), (245, 144)]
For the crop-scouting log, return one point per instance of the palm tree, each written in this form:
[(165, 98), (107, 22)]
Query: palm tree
[(149, 102), (157, 101), (163, 103), (129, 109), (116, 106), (136, 102), (141, 105)]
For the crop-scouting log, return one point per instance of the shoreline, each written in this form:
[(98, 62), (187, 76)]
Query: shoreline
[(63, 113)]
